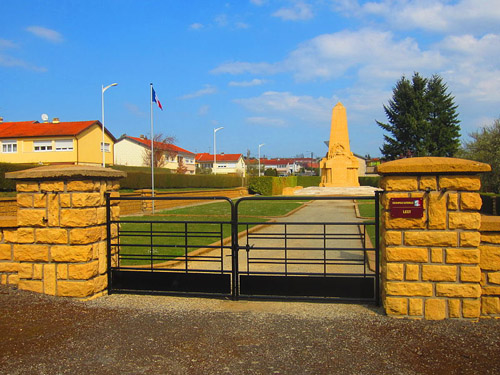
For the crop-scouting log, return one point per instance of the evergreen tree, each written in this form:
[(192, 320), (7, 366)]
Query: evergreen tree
[(422, 120)]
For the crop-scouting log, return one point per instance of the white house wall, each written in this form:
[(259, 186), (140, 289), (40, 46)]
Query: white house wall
[(129, 153)]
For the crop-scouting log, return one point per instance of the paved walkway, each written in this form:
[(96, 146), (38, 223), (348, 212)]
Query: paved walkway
[(305, 243)]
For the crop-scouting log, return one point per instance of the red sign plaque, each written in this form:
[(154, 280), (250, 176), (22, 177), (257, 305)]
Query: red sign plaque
[(406, 207)]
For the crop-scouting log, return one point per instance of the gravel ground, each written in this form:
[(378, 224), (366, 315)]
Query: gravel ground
[(132, 334)]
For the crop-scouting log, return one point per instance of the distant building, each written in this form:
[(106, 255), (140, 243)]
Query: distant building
[(284, 166), (131, 151), (56, 142), (226, 163)]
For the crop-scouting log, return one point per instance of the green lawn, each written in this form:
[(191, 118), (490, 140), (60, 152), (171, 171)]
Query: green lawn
[(171, 226), (367, 210)]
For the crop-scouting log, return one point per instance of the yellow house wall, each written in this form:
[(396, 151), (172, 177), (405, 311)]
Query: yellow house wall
[(26, 154), (89, 147)]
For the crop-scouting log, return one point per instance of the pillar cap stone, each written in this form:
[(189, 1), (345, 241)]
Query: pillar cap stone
[(66, 172), (432, 165)]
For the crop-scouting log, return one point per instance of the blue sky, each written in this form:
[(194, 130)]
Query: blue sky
[(268, 71)]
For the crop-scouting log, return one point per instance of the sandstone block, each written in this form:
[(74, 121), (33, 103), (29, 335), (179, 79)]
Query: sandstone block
[(10, 235), (458, 290), (100, 283), (83, 271), (465, 256), (27, 186), (470, 239), (62, 271), (491, 291), (412, 272), (431, 238), (439, 273), (395, 271), (467, 183), (427, 182), (75, 288), (40, 200), (103, 264), (494, 277), (82, 236), (52, 235), (408, 289), (5, 251), (25, 270), (31, 285), (78, 217), (435, 309), (13, 279), (490, 257), (71, 254), (49, 279), (25, 200), (101, 215), (464, 220), (37, 271), (437, 210), (437, 255), (25, 235), (471, 308), (416, 307), (454, 308), (453, 201), (402, 223), (86, 199), (492, 237), (407, 254), (31, 253), (470, 201), (9, 267), (490, 305), (52, 186), (399, 183), (396, 306), (31, 218), (53, 210), (470, 274), (392, 237), (83, 185), (65, 200)]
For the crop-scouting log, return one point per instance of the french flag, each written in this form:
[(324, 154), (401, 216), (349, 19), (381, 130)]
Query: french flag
[(156, 100)]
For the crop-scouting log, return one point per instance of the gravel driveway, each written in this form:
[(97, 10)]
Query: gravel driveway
[(132, 334)]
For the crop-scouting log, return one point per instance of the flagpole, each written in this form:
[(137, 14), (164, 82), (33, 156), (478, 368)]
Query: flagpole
[(152, 153)]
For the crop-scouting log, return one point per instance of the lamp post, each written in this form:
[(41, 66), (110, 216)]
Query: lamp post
[(259, 155), (215, 150), (102, 107)]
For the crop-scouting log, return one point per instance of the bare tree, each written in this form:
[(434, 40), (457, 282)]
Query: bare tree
[(161, 151), (181, 169)]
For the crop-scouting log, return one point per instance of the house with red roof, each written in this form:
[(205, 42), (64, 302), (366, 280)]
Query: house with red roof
[(56, 142), (284, 166), (224, 163), (136, 151)]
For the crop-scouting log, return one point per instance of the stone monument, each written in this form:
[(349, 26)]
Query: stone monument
[(340, 167)]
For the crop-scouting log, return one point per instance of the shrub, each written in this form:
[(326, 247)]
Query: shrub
[(369, 181), (8, 184)]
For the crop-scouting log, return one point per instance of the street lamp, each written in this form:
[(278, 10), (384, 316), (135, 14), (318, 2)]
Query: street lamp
[(215, 150), (102, 106), (259, 155)]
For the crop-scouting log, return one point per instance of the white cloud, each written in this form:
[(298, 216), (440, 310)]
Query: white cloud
[(287, 105), (253, 82), (45, 33), (12, 62), (209, 89), (258, 2), (4, 44), (266, 121), (221, 20), (204, 109), (196, 26), (433, 15), (299, 11), (239, 67)]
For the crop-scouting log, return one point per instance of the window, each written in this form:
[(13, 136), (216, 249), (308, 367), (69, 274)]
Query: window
[(64, 145), (106, 147), (9, 147), (42, 146)]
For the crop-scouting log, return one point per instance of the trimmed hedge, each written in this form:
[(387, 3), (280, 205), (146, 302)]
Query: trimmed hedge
[(7, 184), (268, 185), (369, 181), (140, 178), (306, 181)]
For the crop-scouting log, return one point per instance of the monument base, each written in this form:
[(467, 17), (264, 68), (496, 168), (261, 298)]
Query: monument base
[(337, 191)]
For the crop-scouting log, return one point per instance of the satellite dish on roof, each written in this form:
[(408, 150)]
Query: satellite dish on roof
[(45, 117)]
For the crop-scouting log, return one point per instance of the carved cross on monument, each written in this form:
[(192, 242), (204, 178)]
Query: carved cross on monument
[(340, 166)]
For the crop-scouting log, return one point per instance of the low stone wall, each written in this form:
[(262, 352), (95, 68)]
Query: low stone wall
[(133, 207), (490, 266), (58, 244)]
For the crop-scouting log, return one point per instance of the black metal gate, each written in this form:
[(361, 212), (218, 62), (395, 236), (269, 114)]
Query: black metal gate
[(243, 257)]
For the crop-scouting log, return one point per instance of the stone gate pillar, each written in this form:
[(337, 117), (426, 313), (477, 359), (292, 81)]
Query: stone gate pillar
[(60, 241), (430, 264)]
